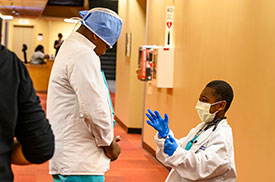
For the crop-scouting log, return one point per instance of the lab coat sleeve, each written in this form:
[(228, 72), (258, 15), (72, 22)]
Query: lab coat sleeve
[(86, 79), (161, 156), (181, 142), (211, 162)]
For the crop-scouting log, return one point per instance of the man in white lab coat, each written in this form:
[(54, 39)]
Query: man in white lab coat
[(206, 153), (78, 103)]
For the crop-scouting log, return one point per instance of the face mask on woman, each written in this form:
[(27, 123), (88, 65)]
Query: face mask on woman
[(203, 110)]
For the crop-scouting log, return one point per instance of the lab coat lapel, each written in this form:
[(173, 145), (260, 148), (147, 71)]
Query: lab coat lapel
[(192, 134), (204, 137)]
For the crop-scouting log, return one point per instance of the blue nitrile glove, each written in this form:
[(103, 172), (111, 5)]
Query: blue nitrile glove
[(170, 145), (156, 121)]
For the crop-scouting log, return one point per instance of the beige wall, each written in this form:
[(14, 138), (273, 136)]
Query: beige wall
[(59, 26), (129, 91), (48, 27), (229, 40), (39, 25)]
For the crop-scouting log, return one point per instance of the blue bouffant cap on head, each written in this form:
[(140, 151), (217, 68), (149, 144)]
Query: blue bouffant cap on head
[(105, 23)]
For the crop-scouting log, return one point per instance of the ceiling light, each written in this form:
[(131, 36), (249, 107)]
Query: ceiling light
[(6, 17), (23, 21), (70, 20)]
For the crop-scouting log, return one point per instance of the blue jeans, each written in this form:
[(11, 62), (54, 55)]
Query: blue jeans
[(78, 178)]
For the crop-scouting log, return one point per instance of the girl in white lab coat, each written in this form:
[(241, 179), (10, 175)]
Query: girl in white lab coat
[(206, 153)]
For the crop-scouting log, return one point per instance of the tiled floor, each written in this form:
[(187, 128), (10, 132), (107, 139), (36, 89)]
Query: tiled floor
[(133, 165)]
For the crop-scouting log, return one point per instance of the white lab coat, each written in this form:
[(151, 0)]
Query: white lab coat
[(79, 110), (211, 159)]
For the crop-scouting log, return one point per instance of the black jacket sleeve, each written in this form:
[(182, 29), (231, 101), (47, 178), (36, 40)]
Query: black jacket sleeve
[(33, 130), (55, 43)]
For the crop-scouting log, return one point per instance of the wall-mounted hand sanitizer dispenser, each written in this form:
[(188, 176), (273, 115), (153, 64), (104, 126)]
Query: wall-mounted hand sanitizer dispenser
[(156, 63), (145, 62)]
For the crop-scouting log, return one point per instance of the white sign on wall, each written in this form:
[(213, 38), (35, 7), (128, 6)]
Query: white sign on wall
[(40, 37), (169, 24)]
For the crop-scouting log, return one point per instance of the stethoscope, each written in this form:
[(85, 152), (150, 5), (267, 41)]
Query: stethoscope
[(212, 123)]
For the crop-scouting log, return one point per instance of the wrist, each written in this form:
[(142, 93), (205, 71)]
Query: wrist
[(164, 134)]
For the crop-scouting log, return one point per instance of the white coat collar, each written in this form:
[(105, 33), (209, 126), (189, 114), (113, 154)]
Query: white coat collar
[(83, 39)]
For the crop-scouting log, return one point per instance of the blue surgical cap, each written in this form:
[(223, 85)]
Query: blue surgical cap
[(105, 23)]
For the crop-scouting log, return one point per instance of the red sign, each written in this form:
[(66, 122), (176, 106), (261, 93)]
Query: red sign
[(169, 24)]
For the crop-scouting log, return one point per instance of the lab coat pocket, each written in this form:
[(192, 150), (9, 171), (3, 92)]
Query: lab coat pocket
[(202, 147)]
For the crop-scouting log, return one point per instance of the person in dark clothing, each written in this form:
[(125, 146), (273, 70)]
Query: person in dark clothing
[(58, 43), (21, 117), (24, 49)]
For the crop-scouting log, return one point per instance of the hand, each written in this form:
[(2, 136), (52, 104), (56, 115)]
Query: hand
[(113, 151), (156, 121), (170, 145), (46, 56), (17, 156)]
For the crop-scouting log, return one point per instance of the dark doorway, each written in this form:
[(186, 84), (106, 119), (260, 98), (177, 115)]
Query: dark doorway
[(1, 29), (65, 2)]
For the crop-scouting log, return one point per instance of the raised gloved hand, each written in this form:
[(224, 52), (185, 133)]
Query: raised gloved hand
[(156, 121), (170, 145)]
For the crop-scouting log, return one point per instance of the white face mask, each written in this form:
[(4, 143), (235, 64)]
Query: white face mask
[(203, 110)]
